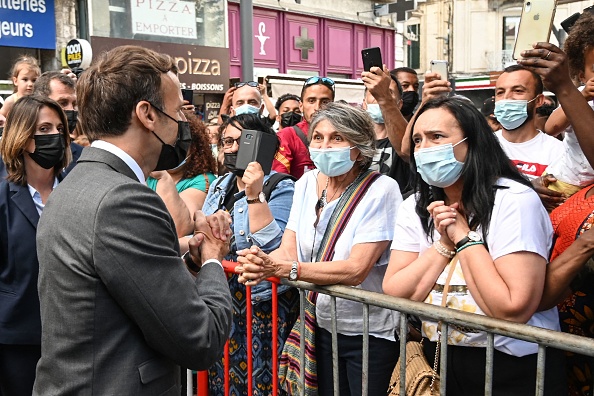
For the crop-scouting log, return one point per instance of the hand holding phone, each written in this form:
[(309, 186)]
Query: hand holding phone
[(371, 57), (440, 67), (536, 23)]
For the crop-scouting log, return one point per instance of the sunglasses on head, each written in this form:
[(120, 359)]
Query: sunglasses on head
[(319, 80), (248, 83)]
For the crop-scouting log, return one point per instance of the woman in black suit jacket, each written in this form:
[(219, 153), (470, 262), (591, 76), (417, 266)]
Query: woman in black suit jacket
[(34, 148)]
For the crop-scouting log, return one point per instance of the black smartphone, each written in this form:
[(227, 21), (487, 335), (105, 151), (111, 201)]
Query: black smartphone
[(256, 146), (371, 57), (188, 94)]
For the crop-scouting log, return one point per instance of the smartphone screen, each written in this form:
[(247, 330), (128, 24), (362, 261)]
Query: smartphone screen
[(440, 67), (536, 23), (371, 57)]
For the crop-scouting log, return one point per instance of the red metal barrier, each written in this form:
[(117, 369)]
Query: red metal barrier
[(202, 376)]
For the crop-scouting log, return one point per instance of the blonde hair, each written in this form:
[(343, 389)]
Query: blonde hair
[(24, 61)]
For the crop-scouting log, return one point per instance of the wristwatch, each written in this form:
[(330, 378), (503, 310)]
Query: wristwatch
[(261, 198), (472, 236), (293, 275)]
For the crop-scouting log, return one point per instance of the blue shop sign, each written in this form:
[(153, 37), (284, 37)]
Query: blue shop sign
[(28, 23)]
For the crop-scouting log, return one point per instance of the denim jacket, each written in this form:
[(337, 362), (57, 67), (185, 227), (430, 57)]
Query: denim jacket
[(268, 238)]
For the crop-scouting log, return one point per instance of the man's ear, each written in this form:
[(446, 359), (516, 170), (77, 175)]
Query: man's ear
[(232, 111), (261, 108), (146, 115)]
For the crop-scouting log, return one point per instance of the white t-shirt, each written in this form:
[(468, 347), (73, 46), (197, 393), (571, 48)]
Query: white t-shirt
[(373, 220), (519, 223), (572, 166), (532, 157)]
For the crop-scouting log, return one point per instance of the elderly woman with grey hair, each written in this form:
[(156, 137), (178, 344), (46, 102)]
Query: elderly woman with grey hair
[(339, 231)]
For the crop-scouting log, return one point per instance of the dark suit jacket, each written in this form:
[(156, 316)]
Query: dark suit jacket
[(19, 304), (119, 310)]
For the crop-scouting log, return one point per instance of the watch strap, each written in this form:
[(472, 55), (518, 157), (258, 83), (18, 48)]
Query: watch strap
[(462, 242), (190, 263)]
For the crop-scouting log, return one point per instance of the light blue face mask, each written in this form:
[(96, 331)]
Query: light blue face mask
[(512, 113), (376, 114), (247, 109), (438, 166), (332, 162)]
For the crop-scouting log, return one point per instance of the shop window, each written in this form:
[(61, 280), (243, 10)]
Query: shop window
[(194, 22), (510, 31), (414, 47)]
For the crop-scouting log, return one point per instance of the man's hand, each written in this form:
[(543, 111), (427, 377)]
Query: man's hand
[(211, 236), (550, 199), (69, 73), (227, 101), (377, 81), (434, 87), (550, 62)]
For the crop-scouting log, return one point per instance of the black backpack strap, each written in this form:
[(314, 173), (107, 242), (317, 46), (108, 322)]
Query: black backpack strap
[(301, 135), (273, 180)]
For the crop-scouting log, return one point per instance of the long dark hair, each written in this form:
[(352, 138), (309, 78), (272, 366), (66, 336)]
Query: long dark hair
[(485, 163)]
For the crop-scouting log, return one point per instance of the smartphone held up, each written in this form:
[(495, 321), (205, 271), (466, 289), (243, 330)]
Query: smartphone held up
[(371, 57), (536, 23)]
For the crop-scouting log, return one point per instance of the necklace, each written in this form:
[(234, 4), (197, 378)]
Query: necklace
[(323, 201)]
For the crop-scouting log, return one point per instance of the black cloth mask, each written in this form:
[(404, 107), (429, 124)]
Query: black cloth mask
[(49, 150), (229, 161), (72, 117), (173, 155), (290, 118), (410, 99)]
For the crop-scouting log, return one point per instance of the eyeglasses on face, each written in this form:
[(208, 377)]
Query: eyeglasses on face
[(228, 141), (248, 83), (319, 80)]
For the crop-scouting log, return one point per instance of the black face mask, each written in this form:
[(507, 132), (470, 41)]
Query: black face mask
[(409, 102), (290, 118), (173, 155), (72, 117), (229, 161), (545, 110), (49, 150)]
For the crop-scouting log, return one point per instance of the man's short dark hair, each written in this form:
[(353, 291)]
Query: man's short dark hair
[(109, 90), (403, 69), (282, 99), (539, 87), (42, 84)]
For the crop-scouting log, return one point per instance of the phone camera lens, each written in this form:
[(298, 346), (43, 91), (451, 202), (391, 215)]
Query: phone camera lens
[(528, 4)]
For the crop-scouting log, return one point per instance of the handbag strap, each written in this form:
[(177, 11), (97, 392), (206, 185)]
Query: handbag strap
[(444, 299)]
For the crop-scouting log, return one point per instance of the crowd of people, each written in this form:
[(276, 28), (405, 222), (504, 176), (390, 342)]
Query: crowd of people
[(114, 221)]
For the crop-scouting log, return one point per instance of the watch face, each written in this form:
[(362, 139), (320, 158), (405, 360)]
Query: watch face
[(293, 276), (262, 197), (474, 236)]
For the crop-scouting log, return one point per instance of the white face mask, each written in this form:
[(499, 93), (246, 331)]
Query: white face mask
[(373, 109)]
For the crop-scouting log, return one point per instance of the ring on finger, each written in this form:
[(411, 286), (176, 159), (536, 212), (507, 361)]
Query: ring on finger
[(547, 56)]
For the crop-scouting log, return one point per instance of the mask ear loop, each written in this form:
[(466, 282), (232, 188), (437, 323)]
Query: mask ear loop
[(460, 142)]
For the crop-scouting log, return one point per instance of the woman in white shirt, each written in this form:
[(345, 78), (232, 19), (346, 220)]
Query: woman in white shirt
[(342, 148), (473, 204)]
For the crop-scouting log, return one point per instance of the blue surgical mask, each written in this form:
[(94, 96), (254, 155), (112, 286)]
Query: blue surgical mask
[(511, 113), (438, 166), (332, 162), (247, 109), (373, 109)]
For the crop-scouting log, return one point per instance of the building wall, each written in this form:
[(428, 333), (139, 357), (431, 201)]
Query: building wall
[(66, 30), (476, 33)]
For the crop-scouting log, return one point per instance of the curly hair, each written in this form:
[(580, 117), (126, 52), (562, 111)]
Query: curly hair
[(200, 159), (578, 42)]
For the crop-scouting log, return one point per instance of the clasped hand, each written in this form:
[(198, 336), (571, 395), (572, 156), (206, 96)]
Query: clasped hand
[(211, 236), (449, 222), (255, 266)]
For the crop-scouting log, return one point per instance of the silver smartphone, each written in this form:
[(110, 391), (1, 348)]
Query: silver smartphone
[(440, 67), (536, 23)]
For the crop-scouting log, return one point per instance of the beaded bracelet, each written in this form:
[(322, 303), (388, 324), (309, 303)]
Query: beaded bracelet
[(468, 245), (443, 250)]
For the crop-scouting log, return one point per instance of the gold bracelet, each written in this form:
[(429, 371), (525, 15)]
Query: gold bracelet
[(443, 250)]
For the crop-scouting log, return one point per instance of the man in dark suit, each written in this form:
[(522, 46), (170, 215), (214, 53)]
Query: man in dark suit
[(119, 309)]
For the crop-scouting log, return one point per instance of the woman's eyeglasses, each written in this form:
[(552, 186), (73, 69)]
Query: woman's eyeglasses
[(248, 83), (319, 80), (228, 141)]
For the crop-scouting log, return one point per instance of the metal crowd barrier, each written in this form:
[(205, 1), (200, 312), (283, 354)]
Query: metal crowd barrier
[(543, 337)]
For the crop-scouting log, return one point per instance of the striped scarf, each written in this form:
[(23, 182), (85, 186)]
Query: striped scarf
[(290, 363)]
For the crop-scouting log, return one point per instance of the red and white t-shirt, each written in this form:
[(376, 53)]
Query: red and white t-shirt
[(532, 157)]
